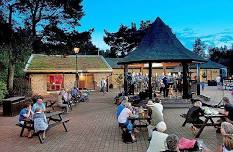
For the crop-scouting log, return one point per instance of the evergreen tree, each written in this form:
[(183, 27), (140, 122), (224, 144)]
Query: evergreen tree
[(199, 48), (57, 41), (126, 39)]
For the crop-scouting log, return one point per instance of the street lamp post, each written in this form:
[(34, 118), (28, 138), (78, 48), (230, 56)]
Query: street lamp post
[(76, 51)]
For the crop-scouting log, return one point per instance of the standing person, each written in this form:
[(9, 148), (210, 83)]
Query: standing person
[(218, 80), (40, 121), (155, 112), (39, 103), (203, 86), (26, 113), (103, 84), (166, 86)]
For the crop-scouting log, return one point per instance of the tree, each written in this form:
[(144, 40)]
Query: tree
[(223, 56), (126, 39), (57, 41), (13, 39), (16, 42), (39, 12), (199, 48)]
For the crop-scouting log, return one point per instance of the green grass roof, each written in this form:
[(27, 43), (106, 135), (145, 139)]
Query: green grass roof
[(58, 62)]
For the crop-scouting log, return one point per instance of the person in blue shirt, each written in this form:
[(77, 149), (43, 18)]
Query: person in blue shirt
[(26, 113), (74, 92), (38, 104), (121, 105), (166, 87)]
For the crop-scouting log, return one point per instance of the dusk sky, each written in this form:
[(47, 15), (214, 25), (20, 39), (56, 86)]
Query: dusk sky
[(211, 20)]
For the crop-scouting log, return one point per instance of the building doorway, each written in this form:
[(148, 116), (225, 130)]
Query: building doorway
[(86, 81)]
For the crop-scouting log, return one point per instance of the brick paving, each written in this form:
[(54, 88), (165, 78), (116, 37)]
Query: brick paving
[(93, 128)]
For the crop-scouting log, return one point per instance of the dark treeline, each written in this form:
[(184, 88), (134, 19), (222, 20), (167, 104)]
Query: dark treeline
[(222, 55)]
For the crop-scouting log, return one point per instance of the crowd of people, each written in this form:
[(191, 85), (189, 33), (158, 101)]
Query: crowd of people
[(159, 139)]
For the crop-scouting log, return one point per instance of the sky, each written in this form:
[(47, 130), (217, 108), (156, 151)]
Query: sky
[(210, 20)]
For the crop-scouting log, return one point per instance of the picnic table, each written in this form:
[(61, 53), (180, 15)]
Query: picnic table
[(209, 116), (55, 117), (142, 121), (209, 122)]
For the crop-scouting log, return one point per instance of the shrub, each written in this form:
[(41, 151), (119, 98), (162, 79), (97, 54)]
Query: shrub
[(3, 90)]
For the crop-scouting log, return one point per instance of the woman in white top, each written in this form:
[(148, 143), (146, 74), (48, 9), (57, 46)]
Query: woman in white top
[(158, 141), (156, 114), (123, 119)]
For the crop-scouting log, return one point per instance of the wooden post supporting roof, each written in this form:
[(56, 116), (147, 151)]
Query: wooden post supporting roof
[(198, 78), (125, 79), (150, 75), (185, 81)]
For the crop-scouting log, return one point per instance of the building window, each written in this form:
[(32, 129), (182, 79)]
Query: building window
[(55, 82)]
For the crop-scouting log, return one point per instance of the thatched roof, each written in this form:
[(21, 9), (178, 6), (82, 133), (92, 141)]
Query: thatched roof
[(39, 63), (160, 45)]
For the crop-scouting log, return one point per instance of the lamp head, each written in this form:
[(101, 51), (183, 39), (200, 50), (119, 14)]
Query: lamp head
[(76, 50)]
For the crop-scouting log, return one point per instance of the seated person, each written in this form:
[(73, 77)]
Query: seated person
[(40, 121), (123, 119), (227, 133), (39, 104), (83, 96), (66, 97), (172, 143), (193, 115), (26, 112), (155, 112), (120, 106), (61, 104), (75, 93), (228, 110), (157, 143)]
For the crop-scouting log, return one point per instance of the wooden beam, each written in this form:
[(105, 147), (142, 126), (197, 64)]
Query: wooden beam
[(185, 81), (150, 75), (125, 79)]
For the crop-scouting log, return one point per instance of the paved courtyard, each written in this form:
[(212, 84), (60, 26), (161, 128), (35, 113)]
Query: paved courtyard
[(93, 128)]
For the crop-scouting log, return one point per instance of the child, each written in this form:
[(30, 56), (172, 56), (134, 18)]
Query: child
[(40, 121), (26, 113)]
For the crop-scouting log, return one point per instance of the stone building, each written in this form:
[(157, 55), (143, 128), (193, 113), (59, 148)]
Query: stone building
[(52, 73)]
